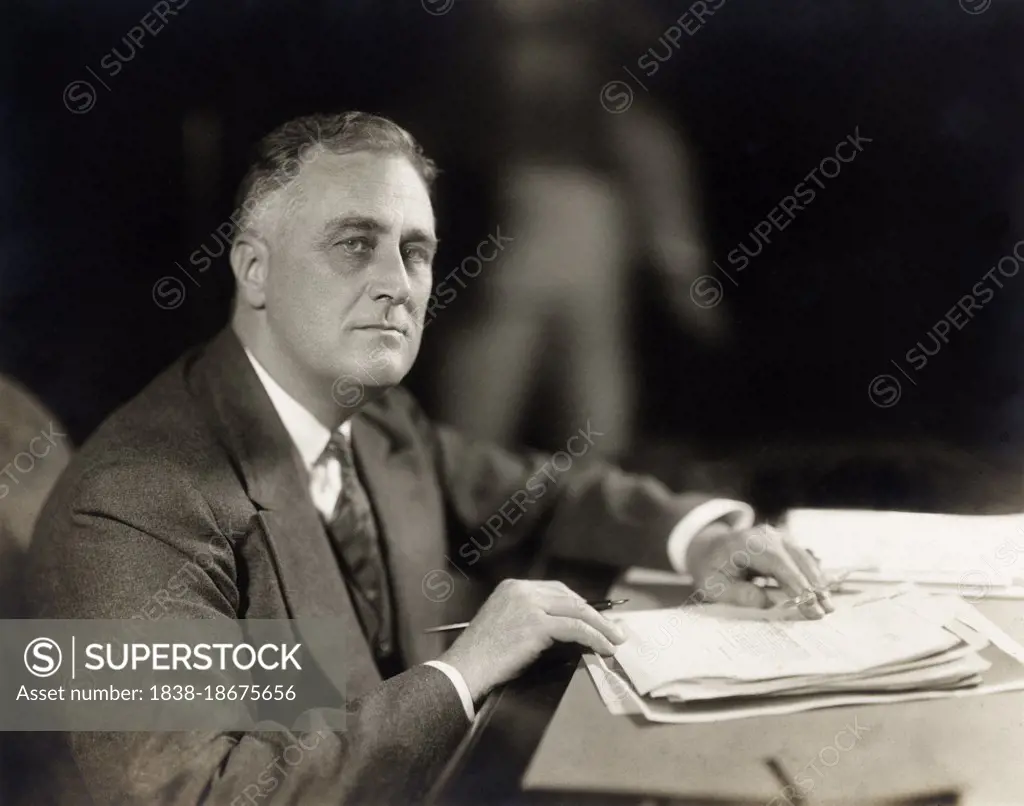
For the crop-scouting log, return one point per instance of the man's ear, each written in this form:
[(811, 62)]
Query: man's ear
[(250, 259)]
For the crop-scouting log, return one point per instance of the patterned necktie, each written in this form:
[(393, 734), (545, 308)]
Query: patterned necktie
[(353, 530)]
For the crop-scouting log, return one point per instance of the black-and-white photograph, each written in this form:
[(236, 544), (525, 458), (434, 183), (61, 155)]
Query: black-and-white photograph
[(513, 402)]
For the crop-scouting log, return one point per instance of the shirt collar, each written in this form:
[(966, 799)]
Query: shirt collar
[(307, 432)]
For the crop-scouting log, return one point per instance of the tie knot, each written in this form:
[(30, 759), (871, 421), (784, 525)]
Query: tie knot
[(338, 447)]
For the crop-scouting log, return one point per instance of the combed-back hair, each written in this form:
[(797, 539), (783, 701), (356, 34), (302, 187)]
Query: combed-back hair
[(280, 155)]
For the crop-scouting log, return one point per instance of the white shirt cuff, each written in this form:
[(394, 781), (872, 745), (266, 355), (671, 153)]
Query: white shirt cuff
[(739, 514), (460, 686)]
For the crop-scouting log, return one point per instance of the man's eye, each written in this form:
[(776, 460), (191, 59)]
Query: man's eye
[(357, 246), (417, 253)]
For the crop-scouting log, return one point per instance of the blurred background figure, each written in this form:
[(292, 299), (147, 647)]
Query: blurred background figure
[(34, 451), (507, 96), (587, 193)]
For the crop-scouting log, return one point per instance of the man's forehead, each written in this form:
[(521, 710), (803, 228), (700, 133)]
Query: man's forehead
[(376, 179)]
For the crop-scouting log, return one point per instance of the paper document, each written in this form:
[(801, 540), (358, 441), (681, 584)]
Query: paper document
[(664, 646), (715, 662), (972, 550)]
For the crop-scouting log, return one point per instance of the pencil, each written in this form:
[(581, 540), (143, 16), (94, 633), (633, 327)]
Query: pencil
[(597, 604)]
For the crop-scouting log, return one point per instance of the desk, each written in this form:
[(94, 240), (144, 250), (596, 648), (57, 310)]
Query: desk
[(925, 736)]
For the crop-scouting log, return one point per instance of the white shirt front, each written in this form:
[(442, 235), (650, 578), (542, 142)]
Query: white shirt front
[(310, 437)]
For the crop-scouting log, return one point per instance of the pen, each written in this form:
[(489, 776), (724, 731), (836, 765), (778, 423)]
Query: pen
[(796, 798), (833, 586), (597, 604)]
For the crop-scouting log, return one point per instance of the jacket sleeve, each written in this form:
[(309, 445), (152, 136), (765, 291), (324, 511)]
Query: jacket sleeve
[(566, 504), (95, 559)]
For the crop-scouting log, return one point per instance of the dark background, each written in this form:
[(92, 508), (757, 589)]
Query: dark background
[(99, 206)]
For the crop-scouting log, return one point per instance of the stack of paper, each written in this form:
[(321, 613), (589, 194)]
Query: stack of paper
[(713, 662), (981, 554)]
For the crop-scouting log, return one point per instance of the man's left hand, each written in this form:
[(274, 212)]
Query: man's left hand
[(722, 562)]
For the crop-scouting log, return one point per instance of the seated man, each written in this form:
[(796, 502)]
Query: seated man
[(328, 493)]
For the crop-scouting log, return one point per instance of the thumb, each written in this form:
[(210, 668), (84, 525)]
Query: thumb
[(744, 594)]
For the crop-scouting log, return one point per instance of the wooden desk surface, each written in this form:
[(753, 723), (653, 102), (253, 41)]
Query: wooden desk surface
[(866, 754)]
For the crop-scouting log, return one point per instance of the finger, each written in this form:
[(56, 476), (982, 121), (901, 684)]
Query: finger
[(811, 609), (715, 584), (557, 587), (744, 594), (816, 560), (777, 562), (540, 590), (569, 607), (805, 562), (571, 630), (812, 570), (552, 590)]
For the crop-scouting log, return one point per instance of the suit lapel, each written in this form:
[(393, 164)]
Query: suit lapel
[(407, 517), (275, 480)]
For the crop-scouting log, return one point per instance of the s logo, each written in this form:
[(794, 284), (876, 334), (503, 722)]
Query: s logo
[(43, 657)]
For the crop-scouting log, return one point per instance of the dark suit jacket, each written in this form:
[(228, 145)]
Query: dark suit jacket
[(202, 454)]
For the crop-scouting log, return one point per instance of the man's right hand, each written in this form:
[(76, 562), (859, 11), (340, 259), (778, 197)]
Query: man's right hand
[(517, 623)]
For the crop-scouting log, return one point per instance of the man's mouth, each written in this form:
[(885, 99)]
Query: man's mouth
[(387, 328)]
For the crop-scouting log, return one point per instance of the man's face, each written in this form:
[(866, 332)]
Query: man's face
[(349, 271)]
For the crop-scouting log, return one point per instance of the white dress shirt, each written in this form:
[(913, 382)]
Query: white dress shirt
[(311, 437)]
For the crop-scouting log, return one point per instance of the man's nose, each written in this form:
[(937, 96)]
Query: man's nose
[(391, 280)]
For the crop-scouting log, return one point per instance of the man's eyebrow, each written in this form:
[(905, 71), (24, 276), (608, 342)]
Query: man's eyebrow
[(417, 235), (340, 223), (366, 224)]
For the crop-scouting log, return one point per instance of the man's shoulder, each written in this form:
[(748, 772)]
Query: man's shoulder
[(166, 416), (162, 434)]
